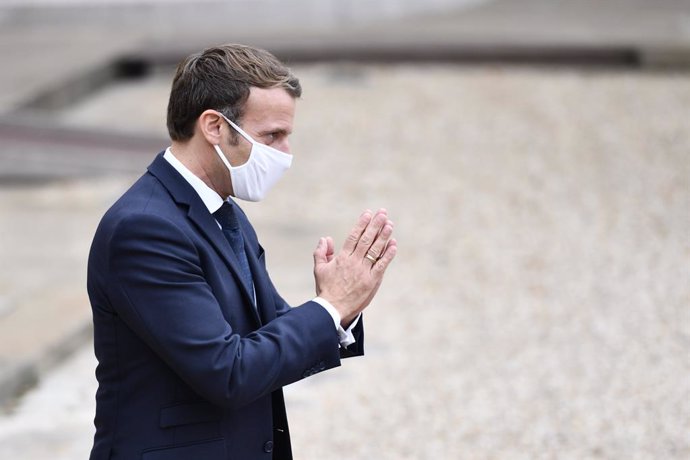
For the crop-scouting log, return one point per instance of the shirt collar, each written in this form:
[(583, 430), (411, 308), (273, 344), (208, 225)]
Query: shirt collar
[(211, 199)]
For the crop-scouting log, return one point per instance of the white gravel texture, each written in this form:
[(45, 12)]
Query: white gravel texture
[(539, 307)]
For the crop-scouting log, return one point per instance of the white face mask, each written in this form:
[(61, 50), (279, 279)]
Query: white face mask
[(265, 166)]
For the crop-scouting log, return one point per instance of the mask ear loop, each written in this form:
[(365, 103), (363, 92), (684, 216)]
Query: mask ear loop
[(238, 129), (242, 133), (222, 157), (249, 138)]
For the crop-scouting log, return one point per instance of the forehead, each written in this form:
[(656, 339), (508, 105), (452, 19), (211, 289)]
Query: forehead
[(272, 105)]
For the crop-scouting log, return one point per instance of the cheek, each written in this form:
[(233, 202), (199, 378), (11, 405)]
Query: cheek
[(240, 154), (283, 145)]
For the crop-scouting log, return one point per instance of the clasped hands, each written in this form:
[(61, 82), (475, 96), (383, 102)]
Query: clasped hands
[(350, 279)]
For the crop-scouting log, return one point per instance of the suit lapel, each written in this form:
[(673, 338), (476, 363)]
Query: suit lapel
[(198, 213)]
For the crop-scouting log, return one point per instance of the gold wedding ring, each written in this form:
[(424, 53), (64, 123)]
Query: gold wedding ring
[(370, 257)]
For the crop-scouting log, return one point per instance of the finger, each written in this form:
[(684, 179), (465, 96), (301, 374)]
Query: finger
[(370, 233), (356, 232), (386, 258), (377, 248)]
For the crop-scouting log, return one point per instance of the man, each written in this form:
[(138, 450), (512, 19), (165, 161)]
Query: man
[(194, 343)]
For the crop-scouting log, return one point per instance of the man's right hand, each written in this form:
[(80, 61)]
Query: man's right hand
[(350, 279)]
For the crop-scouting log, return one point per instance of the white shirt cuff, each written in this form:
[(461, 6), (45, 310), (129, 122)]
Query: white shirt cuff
[(345, 337)]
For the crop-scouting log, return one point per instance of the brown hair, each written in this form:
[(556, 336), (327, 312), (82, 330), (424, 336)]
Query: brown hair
[(220, 78)]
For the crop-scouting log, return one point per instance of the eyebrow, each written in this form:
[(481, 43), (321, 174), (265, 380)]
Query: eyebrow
[(274, 131)]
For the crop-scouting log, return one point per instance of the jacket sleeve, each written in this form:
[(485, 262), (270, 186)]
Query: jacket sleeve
[(157, 286), (354, 349)]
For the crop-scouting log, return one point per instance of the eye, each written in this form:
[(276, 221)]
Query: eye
[(272, 138)]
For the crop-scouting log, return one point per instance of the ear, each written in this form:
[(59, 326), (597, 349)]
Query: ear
[(209, 125)]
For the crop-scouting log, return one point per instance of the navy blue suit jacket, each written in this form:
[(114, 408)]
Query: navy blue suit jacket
[(188, 368)]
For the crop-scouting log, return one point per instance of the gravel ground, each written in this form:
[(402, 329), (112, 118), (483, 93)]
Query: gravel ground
[(539, 305)]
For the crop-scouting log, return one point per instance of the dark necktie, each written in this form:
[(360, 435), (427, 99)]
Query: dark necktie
[(231, 229)]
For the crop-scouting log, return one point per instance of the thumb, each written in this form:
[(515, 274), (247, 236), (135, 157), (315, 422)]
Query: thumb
[(330, 249), (320, 252)]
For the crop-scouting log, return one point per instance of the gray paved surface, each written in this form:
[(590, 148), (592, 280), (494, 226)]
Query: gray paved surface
[(539, 305), (554, 206), (50, 50)]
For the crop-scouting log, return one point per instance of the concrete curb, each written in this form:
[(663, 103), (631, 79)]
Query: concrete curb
[(17, 378)]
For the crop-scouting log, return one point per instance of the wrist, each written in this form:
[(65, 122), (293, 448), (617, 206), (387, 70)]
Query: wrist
[(337, 320), (347, 321)]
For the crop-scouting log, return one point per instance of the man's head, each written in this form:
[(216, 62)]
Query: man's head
[(219, 88), (220, 78)]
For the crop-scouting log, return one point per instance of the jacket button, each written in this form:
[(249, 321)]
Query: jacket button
[(268, 447)]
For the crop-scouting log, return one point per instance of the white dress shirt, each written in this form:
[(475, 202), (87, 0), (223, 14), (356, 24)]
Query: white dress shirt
[(213, 202)]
